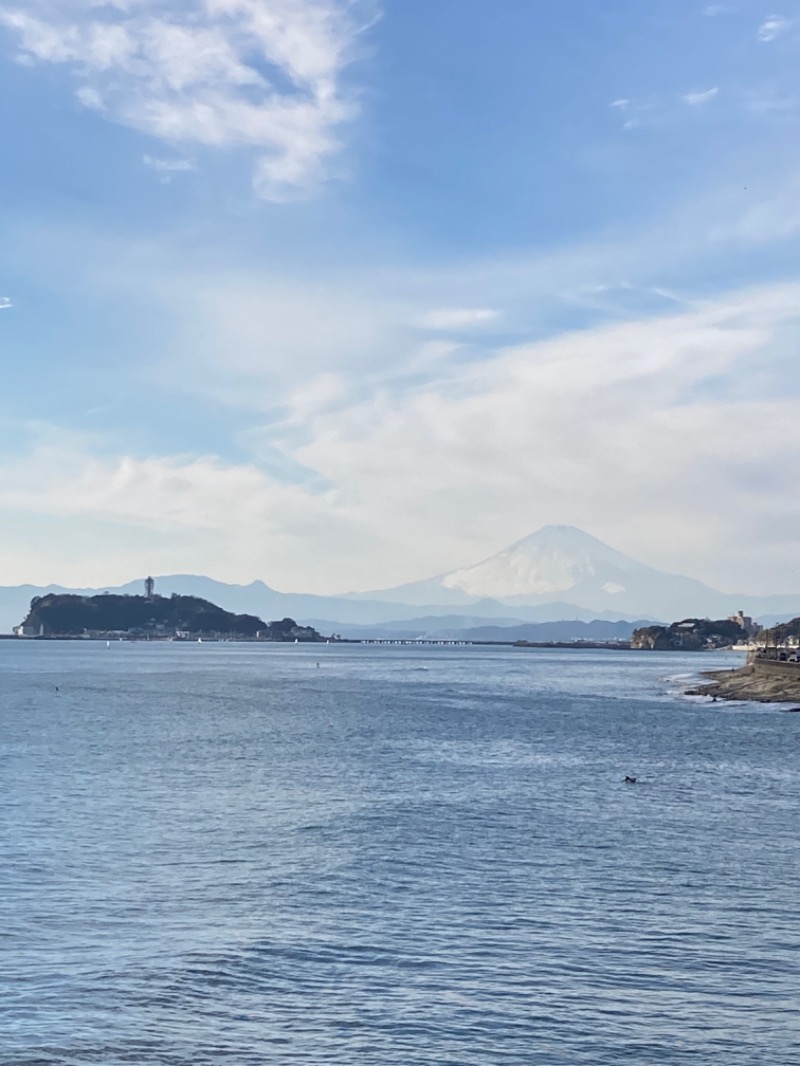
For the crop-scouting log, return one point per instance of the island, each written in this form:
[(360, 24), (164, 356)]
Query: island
[(150, 617)]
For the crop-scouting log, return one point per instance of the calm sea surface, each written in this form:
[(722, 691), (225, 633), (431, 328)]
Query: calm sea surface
[(217, 854)]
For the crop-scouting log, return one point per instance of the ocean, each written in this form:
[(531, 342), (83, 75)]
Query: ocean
[(416, 856)]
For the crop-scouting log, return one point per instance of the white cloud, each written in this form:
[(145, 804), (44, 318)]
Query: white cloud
[(90, 98), (5, 303), (458, 318), (177, 512), (773, 27), (636, 431), (363, 474), (259, 75), (573, 427), (716, 9), (700, 96)]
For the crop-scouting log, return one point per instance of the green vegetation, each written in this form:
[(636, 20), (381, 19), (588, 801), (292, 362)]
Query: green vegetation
[(691, 634), (142, 616), (781, 633)]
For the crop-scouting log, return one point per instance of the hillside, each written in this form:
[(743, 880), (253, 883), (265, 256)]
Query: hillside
[(779, 634), (71, 615), (692, 634)]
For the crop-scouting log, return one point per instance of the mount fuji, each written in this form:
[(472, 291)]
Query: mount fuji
[(556, 575), (566, 565)]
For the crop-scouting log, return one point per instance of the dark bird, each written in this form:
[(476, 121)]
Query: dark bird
[(630, 780)]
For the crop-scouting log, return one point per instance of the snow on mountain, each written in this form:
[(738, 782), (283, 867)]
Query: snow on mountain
[(565, 564), (556, 559), (559, 573)]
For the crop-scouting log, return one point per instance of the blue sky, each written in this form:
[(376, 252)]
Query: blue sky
[(340, 295)]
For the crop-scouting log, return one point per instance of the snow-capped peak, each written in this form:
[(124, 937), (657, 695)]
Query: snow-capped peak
[(554, 560)]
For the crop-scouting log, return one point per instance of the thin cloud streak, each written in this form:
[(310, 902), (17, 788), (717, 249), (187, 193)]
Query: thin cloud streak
[(700, 97), (168, 166), (459, 318)]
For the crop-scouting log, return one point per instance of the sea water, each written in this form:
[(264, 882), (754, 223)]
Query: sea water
[(228, 853)]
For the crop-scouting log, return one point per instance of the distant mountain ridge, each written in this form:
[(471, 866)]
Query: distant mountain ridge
[(557, 574), (564, 563), (326, 613), (539, 567)]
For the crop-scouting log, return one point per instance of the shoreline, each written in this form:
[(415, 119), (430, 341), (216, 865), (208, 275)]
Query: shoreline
[(750, 684)]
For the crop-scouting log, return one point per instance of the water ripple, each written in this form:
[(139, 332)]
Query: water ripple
[(415, 856)]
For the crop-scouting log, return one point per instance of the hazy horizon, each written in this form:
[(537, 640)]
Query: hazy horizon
[(341, 296), (422, 580)]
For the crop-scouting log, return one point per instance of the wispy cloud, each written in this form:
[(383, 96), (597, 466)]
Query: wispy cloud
[(635, 112), (260, 75), (168, 166), (166, 169), (773, 27), (716, 9), (5, 303), (458, 318), (624, 300), (700, 96)]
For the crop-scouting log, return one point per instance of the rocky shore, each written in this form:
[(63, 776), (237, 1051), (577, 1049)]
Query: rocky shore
[(751, 683)]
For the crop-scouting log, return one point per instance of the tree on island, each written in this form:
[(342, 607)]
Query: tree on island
[(73, 615)]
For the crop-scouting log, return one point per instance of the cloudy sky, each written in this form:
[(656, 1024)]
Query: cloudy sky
[(340, 294)]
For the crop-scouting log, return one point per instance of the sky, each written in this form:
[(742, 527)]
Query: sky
[(342, 294)]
